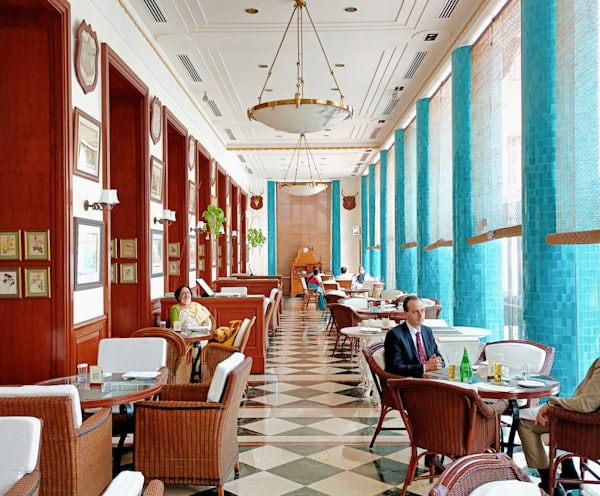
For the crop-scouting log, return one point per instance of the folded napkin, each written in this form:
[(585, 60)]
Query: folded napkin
[(486, 386), (140, 374)]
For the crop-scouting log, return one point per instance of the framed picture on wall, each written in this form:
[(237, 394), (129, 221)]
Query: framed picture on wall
[(37, 283), (128, 273), (157, 250), (113, 248), (192, 200), (10, 283), (87, 145), (192, 253), (89, 244), (37, 245), (10, 245), (174, 250), (128, 248), (113, 273), (156, 183), (174, 267)]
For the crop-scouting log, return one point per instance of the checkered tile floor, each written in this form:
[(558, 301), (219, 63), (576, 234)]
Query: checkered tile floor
[(305, 428)]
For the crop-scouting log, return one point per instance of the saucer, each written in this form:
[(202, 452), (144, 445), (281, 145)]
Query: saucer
[(530, 384)]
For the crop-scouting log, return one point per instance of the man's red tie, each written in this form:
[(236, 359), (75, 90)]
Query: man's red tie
[(420, 349)]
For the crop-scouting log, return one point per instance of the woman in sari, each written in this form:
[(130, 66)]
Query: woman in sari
[(188, 312)]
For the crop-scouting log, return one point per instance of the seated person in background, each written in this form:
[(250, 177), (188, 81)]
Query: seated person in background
[(315, 283), (188, 312), (585, 399), (409, 348), (359, 279), (344, 275)]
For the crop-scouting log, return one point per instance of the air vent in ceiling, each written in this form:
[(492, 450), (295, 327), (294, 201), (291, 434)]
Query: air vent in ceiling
[(215, 110), (248, 170), (155, 11), (229, 133), (242, 159), (187, 63), (448, 9), (364, 157), (389, 108), (375, 133), (414, 65)]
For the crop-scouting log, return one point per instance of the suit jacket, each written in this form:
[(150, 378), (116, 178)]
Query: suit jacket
[(586, 397), (401, 356)]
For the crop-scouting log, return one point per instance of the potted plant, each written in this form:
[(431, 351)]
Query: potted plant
[(256, 237), (215, 218)]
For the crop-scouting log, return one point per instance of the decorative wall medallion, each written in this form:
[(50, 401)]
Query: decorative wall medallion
[(155, 119), (191, 152), (86, 57)]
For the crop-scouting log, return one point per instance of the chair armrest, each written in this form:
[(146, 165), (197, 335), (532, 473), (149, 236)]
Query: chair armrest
[(570, 416), (184, 392), (218, 346), (95, 421), (494, 409), (29, 485), (155, 488)]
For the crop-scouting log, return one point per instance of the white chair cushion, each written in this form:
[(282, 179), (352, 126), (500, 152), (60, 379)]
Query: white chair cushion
[(19, 449), (449, 346), (127, 483), (217, 385), (355, 302), (240, 290), (516, 353), (507, 487), (379, 357), (119, 355), (60, 390), (241, 332), (273, 294)]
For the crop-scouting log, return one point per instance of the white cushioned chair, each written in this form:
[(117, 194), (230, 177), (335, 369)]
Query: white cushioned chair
[(119, 355)]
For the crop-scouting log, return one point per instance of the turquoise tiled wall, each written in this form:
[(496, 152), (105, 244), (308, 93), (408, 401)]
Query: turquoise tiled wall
[(364, 210), (335, 228), (383, 208)]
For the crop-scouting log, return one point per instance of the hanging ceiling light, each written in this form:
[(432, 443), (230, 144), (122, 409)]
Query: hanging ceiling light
[(299, 114), (302, 156)]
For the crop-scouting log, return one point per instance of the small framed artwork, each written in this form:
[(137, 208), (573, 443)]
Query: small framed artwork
[(174, 250), (10, 245), (87, 145), (128, 248), (10, 283), (192, 192), (191, 153), (89, 243), (155, 119), (113, 248), (213, 177), (156, 184), (37, 283), (86, 57), (157, 250), (174, 267), (201, 249), (128, 273), (37, 245), (192, 252), (201, 264), (113, 273)]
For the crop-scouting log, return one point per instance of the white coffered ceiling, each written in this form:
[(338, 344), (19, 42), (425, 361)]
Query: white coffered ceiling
[(391, 53)]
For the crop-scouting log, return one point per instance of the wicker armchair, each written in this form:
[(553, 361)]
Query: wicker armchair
[(184, 439), (179, 354), (578, 435), (74, 460), (374, 357), (344, 316), (472, 471), (444, 419), (310, 296), (214, 353), (129, 483)]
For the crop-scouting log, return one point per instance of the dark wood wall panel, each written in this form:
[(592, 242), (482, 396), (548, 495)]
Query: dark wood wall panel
[(87, 338)]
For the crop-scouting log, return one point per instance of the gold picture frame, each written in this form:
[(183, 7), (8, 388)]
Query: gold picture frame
[(113, 248), (88, 137), (10, 283), (37, 283), (128, 273), (10, 245), (174, 267), (174, 250), (37, 245), (128, 248), (157, 179), (113, 273)]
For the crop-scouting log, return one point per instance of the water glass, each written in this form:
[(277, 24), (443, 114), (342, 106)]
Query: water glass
[(177, 325), (106, 382), (525, 369), (452, 365), (82, 373)]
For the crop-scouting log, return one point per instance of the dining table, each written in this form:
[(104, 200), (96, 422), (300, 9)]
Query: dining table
[(357, 291), (513, 388), (194, 338)]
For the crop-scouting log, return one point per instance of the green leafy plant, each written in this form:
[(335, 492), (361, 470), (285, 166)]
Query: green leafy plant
[(215, 218), (256, 237)]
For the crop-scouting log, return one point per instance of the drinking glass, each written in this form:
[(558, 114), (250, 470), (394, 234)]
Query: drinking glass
[(177, 325), (525, 370), (453, 364), (82, 373), (497, 359), (106, 382)]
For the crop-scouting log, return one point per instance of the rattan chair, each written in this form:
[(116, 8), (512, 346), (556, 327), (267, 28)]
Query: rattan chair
[(344, 316), (472, 471), (185, 439), (375, 359), (74, 460), (333, 296), (214, 353), (578, 435), (179, 354), (444, 419), (130, 483), (433, 311)]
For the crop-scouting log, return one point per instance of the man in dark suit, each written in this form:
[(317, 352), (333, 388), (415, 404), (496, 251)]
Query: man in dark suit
[(410, 349)]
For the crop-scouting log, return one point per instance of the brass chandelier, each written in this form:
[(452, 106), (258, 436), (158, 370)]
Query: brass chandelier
[(302, 156), (298, 114)]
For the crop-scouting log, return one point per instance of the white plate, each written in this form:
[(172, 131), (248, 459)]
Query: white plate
[(370, 330), (140, 375), (531, 384)]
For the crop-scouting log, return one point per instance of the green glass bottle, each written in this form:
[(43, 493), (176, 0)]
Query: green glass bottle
[(466, 371)]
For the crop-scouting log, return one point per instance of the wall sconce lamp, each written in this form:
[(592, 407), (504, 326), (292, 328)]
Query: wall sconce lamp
[(108, 199), (234, 234), (168, 217), (200, 227)]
